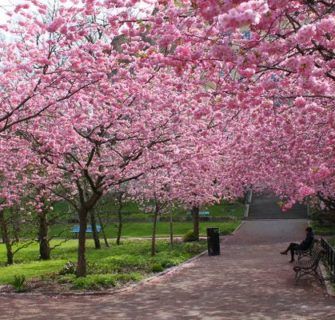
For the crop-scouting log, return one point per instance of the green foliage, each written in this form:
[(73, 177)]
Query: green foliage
[(195, 248), (157, 267), (322, 224), (19, 283), (69, 268), (133, 257), (189, 236)]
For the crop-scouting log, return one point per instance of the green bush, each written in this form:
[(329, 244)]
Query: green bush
[(157, 267), (69, 268), (194, 248), (94, 282), (168, 264), (19, 283), (100, 281), (68, 278), (189, 236)]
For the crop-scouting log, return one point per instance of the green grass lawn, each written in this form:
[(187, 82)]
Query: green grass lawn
[(130, 261), (144, 229), (116, 265)]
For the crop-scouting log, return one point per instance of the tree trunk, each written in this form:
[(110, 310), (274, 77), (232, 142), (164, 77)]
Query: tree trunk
[(87, 204), (15, 219), (154, 229), (81, 264), (120, 225), (95, 231), (195, 217), (103, 230), (171, 229), (43, 236), (6, 239)]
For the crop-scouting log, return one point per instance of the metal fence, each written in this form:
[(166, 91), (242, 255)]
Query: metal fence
[(329, 258)]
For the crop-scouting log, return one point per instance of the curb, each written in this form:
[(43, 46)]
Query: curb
[(237, 228)]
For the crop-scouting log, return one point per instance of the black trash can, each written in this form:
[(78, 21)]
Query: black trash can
[(213, 241)]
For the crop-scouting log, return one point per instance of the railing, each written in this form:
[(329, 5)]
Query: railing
[(329, 258)]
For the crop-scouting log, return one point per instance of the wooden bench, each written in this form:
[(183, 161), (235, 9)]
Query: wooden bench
[(309, 265)]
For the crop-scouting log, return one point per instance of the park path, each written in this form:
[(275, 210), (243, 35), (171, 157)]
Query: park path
[(249, 281)]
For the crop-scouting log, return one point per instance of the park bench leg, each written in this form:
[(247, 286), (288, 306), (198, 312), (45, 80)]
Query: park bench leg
[(297, 276), (318, 275)]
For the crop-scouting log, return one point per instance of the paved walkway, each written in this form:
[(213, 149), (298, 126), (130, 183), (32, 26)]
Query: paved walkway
[(249, 281)]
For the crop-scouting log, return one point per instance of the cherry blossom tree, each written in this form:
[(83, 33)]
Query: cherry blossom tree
[(272, 61), (200, 99)]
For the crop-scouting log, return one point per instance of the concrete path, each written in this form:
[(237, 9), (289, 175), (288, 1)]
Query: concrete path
[(249, 281)]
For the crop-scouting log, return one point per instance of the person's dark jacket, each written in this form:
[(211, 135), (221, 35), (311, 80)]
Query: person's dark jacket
[(304, 245)]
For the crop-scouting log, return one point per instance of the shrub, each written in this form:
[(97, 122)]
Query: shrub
[(167, 264), (194, 248), (94, 282), (69, 268), (99, 281), (157, 267), (69, 278), (19, 283), (189, 236)]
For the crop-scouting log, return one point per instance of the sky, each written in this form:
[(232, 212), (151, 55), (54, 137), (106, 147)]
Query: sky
[(5, 4)]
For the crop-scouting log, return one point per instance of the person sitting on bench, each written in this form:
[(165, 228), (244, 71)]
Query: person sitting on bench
[(304, 245)]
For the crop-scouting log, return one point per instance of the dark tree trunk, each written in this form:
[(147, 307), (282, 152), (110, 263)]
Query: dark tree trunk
[(81, 264), (195, 217), (86, 205), (103, 230), (120, 225), (95, 231), (15, 219), (6, 238), (43, 236), (154, 230), (171, 229)]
